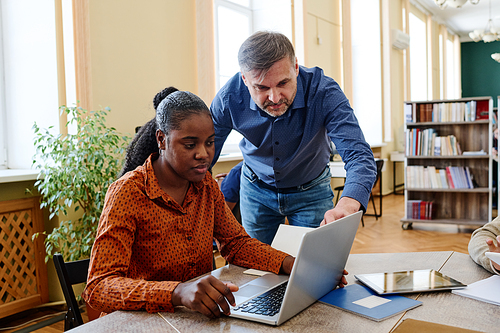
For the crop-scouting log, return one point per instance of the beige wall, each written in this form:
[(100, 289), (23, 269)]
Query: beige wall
[(137, 48), (323, 36)]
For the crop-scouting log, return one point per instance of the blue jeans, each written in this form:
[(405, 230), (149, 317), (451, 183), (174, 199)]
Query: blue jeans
[(264, 208)]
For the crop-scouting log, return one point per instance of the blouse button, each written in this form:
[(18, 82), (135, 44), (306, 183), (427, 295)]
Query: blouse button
[(189, 238)]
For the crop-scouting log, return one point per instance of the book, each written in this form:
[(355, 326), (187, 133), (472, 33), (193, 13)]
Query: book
[(362, 301), (469, 177), (482, 109), (472, 153), (487, 290), (444, 179), (408, 108), (437, 146), (450, 180), (416, 326)]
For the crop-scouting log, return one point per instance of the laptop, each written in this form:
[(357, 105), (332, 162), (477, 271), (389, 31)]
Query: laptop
[(317, 270)]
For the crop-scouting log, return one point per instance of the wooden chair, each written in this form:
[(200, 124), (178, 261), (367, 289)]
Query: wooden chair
[(71, 273)]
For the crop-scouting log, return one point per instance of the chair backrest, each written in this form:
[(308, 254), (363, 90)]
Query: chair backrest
[(380, 165), (71, 273)]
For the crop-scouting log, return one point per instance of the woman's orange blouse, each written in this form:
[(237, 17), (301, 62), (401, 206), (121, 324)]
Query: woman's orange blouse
[(147, 243)]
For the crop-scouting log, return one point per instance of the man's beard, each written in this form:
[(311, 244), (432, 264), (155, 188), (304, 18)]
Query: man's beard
[(278, 112), (283, 109)]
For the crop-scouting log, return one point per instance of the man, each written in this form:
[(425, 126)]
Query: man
[(288, 115)]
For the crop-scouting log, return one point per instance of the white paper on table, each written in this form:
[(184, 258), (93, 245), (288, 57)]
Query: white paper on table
[(287, 239), (487, 290)]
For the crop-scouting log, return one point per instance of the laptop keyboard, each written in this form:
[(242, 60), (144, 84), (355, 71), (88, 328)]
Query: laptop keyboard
[(267, 304)]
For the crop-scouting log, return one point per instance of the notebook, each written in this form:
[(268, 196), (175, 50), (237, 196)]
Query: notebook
[(363, 301), (317, 270)]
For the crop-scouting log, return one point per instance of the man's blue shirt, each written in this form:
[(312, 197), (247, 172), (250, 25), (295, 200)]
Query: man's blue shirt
[(230, 185), (294, 148)]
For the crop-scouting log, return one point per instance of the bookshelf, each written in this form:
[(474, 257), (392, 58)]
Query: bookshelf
[(448, 161)]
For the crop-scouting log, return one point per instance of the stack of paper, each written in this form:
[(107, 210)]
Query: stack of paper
[(487, 290)]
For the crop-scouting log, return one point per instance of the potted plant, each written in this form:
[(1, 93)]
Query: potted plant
[(75, 173)]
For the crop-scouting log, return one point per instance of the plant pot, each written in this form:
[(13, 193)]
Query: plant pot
[(91, 312)]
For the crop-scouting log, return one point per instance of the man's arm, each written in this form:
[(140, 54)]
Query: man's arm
[(344, 131)]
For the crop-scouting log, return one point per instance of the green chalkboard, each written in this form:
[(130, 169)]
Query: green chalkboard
[(480, 73)]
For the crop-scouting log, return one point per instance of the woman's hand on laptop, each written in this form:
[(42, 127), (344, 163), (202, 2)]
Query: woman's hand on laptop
[(287, 265), (346, 206), (207, 295)]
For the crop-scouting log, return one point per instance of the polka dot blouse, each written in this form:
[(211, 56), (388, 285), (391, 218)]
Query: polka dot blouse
[(147, 243)]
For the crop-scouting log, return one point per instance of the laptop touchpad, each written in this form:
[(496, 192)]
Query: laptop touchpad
[(249, 290)]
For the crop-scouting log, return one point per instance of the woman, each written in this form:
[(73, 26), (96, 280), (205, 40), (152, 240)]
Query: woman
[(159, 221)]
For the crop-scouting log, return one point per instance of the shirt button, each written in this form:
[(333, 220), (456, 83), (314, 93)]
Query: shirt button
[(277, 158), (191, 264), (189, 238), (276, 143)]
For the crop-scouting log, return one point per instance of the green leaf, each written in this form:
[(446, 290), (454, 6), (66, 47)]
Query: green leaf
[(76, 170)]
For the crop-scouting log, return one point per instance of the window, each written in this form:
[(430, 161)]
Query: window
[(29, 86), (233, 26), (441, 67), (367, 70), (418, 58), (450, 71), (235, 21)]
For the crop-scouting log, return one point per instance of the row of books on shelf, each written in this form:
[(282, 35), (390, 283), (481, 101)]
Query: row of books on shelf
[(421, 210), (446, 111), (426, 142), (418, 176)]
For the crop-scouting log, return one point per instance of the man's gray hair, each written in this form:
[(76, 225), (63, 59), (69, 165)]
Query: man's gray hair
[(263, 49)]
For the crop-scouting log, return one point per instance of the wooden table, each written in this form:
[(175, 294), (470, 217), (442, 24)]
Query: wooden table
[(438, 307)]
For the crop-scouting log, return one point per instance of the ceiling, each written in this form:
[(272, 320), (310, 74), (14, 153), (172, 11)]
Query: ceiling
[(465, 19)]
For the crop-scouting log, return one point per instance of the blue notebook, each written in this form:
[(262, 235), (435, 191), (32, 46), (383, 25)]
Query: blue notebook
[(361, 300)]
